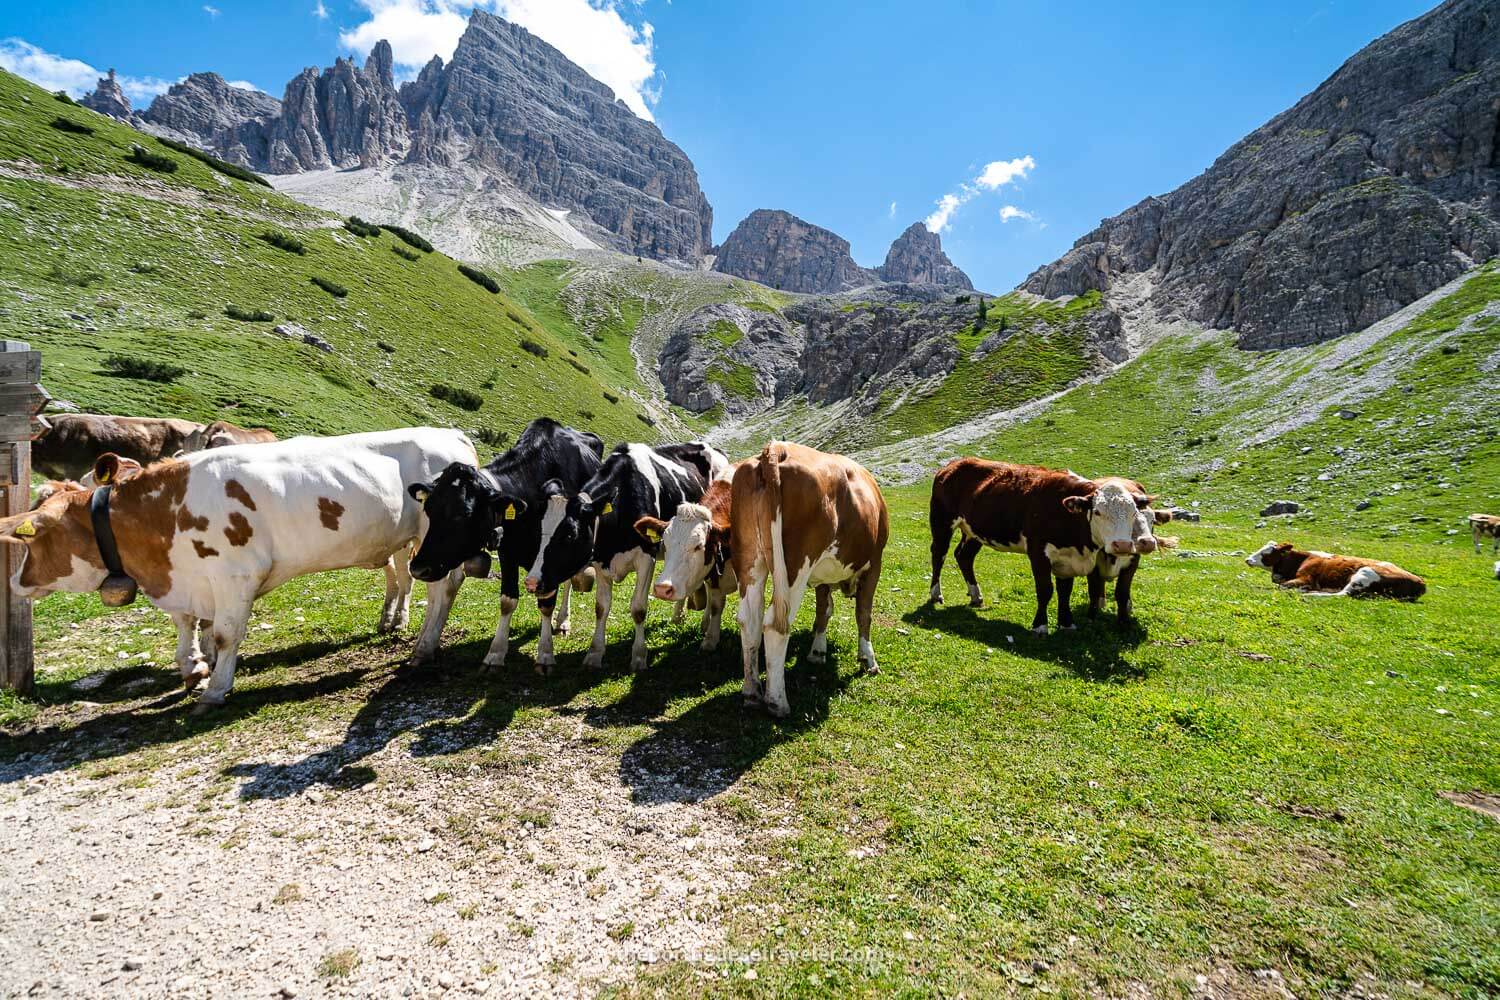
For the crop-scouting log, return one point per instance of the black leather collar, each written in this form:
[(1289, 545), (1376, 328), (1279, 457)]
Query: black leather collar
[(104, 533)]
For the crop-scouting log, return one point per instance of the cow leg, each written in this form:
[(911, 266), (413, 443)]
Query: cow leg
[(397, 610), (190, 660), (864, 610), (510, 597), (784, 605), (645, 569), (231, 619), (604, 592), (1096, 592), (545, 661), (941, 523), (964, 556), (1478, 535), (1041, 572), (713, 616), (1065, 603), (440, 597), (564, 602), (752, 616), (823, 595), (1123, 604), (679, 609)]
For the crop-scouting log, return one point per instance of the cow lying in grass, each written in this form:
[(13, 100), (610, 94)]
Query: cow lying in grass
[(205, 535), (1322, 574), (1066, 525)]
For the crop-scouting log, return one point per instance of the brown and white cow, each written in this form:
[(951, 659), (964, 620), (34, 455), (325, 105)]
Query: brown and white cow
[(69, 446), (802, 518), (204, 536), (1068, 527), (222, 434), (1485, 526), (695, 552), (127, 468), (1322, 574)]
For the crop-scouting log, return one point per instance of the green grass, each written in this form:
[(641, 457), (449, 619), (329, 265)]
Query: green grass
[(736, 377), (725, 332)]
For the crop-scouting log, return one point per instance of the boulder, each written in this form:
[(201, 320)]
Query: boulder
[(1281, 507)]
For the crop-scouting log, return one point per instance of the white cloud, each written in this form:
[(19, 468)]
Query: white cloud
[(1002, 172), (244, 85), (994, 176), (1012, 212), (592, 33), (320, 12), (210, 10), (892, 212), (75, 76)]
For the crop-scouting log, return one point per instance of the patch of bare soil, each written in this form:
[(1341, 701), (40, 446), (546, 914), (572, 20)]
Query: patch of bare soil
[(1485, 803), (140, 187), (414, 849)]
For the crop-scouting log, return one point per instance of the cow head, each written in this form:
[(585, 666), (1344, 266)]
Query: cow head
[(568, 527), (465, 514), (1270, 556), (692, 546), (60, 552), (1119, 519)]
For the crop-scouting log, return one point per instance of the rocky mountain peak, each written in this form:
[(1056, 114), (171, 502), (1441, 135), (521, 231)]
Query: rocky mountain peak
[(917, 257), (1376, 188), (108, 98), (778, 249)]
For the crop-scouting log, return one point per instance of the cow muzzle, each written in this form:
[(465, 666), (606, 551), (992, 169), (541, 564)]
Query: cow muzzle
[(1145, 545), (664, 592), (1122, 548), (531, 584), (477, 567)]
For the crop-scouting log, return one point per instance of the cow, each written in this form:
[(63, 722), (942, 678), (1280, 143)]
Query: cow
[(69, 446), (1068, 527), (1485, 526), (204, 536), (127, 468), (1322, 574), (696, 555), (500, 506), (595, 527), (222, 434), (800, 518)]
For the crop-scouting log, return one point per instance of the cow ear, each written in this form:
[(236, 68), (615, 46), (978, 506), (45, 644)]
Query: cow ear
[(1161, 516), (651, 529), (420, 491), (1142, 501), (106, 468), (1078, 505), (508, 509), (20, 528)]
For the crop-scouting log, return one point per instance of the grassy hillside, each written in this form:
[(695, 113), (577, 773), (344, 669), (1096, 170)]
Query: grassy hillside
[(109, 257)]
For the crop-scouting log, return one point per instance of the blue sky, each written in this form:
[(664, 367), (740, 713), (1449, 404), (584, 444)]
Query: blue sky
[(832, 110)]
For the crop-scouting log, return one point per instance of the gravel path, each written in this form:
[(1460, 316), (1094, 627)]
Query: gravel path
[(238, 864)]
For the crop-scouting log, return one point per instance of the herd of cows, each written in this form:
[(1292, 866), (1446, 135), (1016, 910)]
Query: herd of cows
[(205, 519)]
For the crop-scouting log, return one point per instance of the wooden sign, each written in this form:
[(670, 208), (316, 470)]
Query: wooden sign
[(18, 426), (21, 399), (20, 366)]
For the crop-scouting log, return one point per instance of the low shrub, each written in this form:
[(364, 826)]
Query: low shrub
[(284, 241), (611, 397), (78, 279), (142, 368), (405, 253), (197, 314), (145, 267), (214, 163), (151, 161), (479, 278), (62, 95), (387, 348), (408, 237), (247, 315), (581, 367), (493, 436), (645, 420), (532, 347), (464, 399), (586, 414), (69, 125), (359, 227), (514, 317), (333, 288)]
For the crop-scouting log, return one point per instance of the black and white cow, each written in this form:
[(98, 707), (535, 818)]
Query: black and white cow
[(596, 525), (499, 507)]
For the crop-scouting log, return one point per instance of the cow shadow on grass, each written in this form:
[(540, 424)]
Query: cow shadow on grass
[(172, 717), (1095, 651)]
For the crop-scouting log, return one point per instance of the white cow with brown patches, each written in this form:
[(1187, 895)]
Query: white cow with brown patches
[(204, 536)]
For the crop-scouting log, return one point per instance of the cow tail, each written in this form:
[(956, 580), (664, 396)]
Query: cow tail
[(770, 473)]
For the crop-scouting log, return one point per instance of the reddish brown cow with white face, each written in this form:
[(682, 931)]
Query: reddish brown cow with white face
[(222, 434), (68, 447), (1068, 526), (1322, 574), (802, 518)]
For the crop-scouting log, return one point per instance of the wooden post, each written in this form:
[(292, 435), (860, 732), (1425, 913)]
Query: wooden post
[(21, 398)]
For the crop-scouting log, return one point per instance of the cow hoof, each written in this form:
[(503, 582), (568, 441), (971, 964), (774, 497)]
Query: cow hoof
[(638, 663), (207, 702), (779, 709), (976, 602), (494, 659), (593, 661), (871, 668), (708, 645), (544, 665), (421, 657), (1039, 630), (816, 656), (1070, 627)]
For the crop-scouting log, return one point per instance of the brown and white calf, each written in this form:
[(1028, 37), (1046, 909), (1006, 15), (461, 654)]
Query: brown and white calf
[(69, 446), (1322, 574), (1068, 527), (695, 553), (1485, 526), (127, 468), (222, 434), (204, 536), (802, 518)]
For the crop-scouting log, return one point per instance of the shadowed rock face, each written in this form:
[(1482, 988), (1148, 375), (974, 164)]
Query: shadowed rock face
[(917, 258), (508, 103), (782, 251), (108, 98), (1376, 188)]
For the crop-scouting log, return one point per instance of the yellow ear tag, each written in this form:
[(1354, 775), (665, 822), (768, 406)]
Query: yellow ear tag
[(653, 534), (607, 508), (510, 513), (26, 529), (104, 480)]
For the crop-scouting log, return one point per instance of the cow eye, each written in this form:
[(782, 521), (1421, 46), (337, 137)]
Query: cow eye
[(697, 548)]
